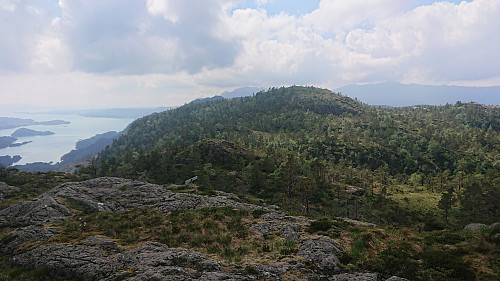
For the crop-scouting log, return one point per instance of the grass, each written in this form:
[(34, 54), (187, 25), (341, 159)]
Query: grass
[(222, 233), (422, 201), (30, 184), (436, 255)]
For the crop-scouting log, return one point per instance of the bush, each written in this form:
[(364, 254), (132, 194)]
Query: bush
[(319, 225)]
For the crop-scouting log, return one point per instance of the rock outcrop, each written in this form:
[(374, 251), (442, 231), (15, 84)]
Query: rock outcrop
[(6, 189), (29, 244), (44, 209)]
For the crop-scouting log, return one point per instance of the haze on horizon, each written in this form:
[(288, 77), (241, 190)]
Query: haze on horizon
[(130, 53)]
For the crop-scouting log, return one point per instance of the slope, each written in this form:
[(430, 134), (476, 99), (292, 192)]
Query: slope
[(316, 152)]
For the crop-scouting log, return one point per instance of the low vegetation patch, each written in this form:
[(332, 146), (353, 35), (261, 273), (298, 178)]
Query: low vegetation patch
[(221, 232), (438, 255)]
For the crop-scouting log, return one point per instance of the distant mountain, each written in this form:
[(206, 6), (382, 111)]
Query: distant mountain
[(208, 99), (396, 94), (241, 92), (24, 132), (237, 93)]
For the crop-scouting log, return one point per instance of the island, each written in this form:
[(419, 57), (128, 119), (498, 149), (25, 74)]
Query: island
[(7, 141), (7, 160), (24, 132), (11, 123)]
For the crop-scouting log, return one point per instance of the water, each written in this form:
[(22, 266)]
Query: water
[(51, 148)]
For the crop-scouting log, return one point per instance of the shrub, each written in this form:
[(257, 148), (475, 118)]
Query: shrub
[(319, 225)]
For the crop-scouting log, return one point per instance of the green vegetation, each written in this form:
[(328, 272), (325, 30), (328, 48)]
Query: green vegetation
[(30, 184), (437, 255), (221, 232), (420, 173), (305, 149)]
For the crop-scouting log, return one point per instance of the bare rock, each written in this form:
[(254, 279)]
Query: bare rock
[(266, 227), (81, 259), (321, 254), (395, 278), (6, 189), (20, 236), (101, 259), (474, 226), (290, 232), (355, 277), (117, 195), (40, 211), (219, 276)]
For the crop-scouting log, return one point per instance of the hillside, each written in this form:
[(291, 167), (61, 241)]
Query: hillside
[(267, 144), (322, 187)]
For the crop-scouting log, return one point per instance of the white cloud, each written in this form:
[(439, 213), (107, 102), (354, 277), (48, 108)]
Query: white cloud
[(163, 7), (149, 49)]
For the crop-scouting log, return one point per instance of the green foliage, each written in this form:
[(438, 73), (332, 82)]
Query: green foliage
[(437, 255), (268, 144), (30, 184), (319, 225), (211, 228)]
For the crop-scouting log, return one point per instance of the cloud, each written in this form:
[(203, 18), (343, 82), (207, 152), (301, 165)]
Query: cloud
[(154, 36), (439, 42), (154, 47), (20, 27)]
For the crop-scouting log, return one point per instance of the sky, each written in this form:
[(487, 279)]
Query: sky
[(140, 53)]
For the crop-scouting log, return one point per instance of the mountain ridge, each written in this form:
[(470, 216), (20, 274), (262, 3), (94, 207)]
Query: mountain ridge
[(398, 94)]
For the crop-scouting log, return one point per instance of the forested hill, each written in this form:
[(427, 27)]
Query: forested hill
[(306, 148)]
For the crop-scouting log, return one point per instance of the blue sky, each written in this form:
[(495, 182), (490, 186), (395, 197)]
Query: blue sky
[(119, 53), (301, 7)]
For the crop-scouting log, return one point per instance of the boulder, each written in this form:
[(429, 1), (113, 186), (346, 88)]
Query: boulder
[(474, 226), (290, 232), (495, 228), (266, 227), (321, 254)]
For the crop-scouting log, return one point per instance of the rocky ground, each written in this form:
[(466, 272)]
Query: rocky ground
[(31, 229)]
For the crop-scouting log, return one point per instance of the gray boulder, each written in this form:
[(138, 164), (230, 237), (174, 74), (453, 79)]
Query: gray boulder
[(495, 228), (290, 232), (266, 227), (474, 226), (321, 254)]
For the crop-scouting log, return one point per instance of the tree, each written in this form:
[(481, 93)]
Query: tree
[(304, 191), (446, 202)]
